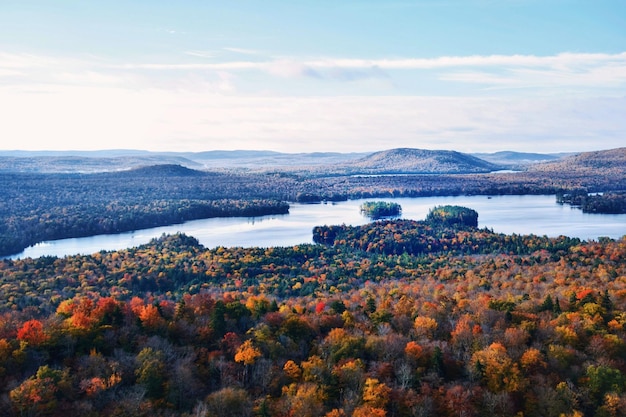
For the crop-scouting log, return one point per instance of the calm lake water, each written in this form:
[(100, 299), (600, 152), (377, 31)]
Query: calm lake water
[(527, 214)]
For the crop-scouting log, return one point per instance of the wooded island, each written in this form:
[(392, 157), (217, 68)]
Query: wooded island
[(378, 209)]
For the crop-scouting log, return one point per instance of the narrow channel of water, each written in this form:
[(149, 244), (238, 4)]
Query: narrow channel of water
[(526, 214)]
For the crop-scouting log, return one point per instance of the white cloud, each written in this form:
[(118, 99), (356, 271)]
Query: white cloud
[(89, 104), (563, 60), (157, 119), (575, 70), (514, 71), (479, 77), (290, 68), (243, 51), (24, 61), (200, 54)]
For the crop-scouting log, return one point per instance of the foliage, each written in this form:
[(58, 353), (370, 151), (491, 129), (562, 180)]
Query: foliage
[(606, 203), (452, 215), (390, 318), (378, 209), (38, 207)]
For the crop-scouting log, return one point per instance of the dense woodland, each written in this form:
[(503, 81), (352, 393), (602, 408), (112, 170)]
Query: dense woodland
[(38, 207), (607, 203), (394, 318)]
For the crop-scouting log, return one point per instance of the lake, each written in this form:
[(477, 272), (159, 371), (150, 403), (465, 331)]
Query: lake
[(526, 214)]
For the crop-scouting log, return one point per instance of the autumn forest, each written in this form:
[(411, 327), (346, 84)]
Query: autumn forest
[(394, 318), (397, 317)]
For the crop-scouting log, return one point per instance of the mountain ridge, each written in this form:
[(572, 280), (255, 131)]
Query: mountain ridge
[(422, 161), (385, 162)]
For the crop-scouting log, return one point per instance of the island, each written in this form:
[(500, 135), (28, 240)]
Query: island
[(379, 209), (452, 215)]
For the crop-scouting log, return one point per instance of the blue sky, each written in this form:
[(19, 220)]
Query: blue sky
[(302, 76)]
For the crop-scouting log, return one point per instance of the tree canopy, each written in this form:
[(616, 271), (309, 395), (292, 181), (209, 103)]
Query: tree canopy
[(378, 209)]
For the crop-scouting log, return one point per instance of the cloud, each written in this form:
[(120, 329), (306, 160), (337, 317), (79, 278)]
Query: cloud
[(95, 104), (563, 60), (553, 73), (242, 51), (563, 74), (513, 71), (289, 68), (200, 54), (74, 117), (9, 73)]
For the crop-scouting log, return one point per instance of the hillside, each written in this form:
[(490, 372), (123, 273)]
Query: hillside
[(610, 161), (420, 161), (317, 164), (165, 170), (517, 160)]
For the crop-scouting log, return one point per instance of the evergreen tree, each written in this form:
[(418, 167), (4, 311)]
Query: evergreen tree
[(557, 306), (547, 305)]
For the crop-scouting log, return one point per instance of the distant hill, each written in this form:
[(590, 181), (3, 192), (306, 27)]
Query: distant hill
[(120, 160), (166, 170), (517, 160), (87, 164), (267, 161), (610, 161), (238, 154), (421, 161), (393, 161)]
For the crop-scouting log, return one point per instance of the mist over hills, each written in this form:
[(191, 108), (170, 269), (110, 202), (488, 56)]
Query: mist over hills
[(386, 162)]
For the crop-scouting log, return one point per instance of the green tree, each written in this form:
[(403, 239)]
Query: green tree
[(151, 372)]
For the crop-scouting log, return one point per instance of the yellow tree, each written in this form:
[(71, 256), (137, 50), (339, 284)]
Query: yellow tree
[(292, 370), (425, 326), (375, 393), (247, 354), (304, 400), (497, 369)]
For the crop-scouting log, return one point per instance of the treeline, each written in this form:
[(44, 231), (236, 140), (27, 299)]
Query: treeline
[(420, 238), (88, 219), (477, 324), (37, 207), (605, 203)]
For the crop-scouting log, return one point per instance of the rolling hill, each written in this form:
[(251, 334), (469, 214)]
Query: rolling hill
[(610, 161), (420, 161), (317, 164), (517, 160)]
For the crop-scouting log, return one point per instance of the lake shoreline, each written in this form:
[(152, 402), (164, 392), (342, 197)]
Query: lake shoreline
[(520, 214)]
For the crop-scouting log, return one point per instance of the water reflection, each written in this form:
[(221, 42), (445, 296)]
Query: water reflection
[(539, 215)]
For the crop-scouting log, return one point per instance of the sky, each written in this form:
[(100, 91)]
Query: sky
[(313, 76)]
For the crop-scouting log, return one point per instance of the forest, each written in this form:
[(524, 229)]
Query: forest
[(392, 318), (38, 207), (606, 203)]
